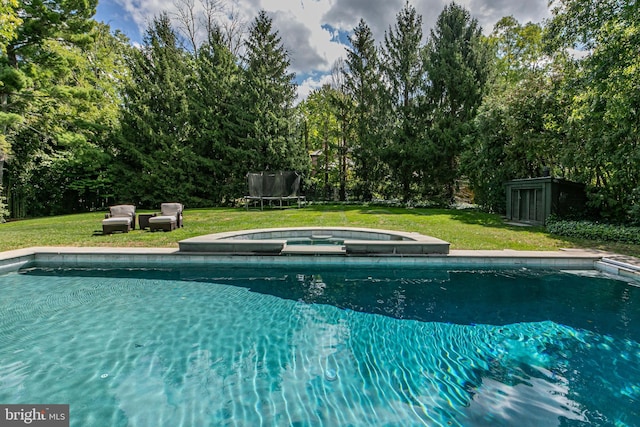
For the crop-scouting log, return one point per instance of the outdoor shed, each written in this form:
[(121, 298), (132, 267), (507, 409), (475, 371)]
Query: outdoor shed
[(532, 200)]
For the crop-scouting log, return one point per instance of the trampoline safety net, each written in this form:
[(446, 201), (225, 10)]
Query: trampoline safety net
[(274, 184)]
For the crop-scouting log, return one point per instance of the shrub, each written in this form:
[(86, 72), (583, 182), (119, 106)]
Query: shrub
[(4, 212), (594, 231)]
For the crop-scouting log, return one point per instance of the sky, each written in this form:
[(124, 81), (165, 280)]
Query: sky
[(315, 32)]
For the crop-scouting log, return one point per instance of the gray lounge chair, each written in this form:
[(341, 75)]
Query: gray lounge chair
[(120, 218), (169, 219)]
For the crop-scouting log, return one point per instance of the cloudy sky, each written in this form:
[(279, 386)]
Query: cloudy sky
[(315, 31)]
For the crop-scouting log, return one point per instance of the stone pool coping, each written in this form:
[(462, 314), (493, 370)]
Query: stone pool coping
[(103, 257)]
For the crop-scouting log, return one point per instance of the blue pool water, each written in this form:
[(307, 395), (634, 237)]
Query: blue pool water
[(312, 347)]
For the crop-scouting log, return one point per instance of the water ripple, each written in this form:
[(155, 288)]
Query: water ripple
[(150, 351)]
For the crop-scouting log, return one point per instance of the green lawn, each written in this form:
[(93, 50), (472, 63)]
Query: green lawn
[(464, 229)]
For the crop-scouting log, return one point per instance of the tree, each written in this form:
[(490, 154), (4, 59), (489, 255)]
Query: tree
[(458, 68), (28, 30), (511, 137), (67, 108), (364, 85), (9, 23), (323, 136), (154, 158), (581, 23), (216, 139), (186, 16), (267, 96), (604, 115), (213, 21), (518, 49), (233, 28), (87, 103), (404, 71), (344, 109), (64, 21)]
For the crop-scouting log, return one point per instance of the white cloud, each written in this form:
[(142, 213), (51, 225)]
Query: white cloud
[(488, 12), (309, 46), (300, 24), (304, 25)]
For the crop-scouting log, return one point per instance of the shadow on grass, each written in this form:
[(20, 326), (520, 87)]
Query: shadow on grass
[(466, 216), (483, 219)]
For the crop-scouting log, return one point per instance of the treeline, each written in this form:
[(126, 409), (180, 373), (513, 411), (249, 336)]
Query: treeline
[(89, 120), (95, 121)]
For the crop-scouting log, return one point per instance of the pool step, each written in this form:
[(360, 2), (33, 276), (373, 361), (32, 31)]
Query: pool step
[(620, 265), (313, 250)]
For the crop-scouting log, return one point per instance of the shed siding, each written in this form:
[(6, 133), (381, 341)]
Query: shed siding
[(532, 200)]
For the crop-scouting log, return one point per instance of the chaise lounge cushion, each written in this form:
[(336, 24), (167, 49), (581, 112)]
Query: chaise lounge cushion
[(120, 218), (170, 217), (122, 211), (117, 220)]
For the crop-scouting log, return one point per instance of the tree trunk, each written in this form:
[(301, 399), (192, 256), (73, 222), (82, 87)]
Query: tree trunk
[(326, 168), (343, 164)]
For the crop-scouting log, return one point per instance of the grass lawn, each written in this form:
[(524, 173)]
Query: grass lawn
[(464, 229)]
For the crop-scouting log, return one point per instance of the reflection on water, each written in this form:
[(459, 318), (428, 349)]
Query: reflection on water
[(313, 348)]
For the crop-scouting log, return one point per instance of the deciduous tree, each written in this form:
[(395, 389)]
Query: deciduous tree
[(510, 136), (323, 137), (604, 115), (56, 102)]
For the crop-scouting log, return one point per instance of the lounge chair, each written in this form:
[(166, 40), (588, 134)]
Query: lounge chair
[(120, 218), (169, 219)]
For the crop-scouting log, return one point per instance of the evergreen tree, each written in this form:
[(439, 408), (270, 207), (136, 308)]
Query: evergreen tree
[(458, 68), (215, 108), (365, 87), (155, 161), (404, 71), (267, 96)]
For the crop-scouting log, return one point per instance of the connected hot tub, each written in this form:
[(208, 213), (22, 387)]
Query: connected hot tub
[(317, 241)]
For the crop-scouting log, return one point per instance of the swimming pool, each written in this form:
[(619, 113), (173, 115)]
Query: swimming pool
[(309, 346)]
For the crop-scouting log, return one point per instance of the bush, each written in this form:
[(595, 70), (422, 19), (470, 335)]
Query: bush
[(4, 212), (594, 231)]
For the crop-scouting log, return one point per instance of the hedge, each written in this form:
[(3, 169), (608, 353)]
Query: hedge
[(594, 231)]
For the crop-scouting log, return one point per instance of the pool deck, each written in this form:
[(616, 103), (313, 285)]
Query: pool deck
[(102, 257)]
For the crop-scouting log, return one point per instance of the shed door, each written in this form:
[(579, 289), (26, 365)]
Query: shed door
[(528, 205)]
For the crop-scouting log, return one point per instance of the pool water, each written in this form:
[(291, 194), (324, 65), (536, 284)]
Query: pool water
[(305, 346)]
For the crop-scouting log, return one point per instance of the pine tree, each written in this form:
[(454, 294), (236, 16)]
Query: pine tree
[(267, 96), (457, 65), (155, 160), (364, 85), (215, 108), (404, 71)]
